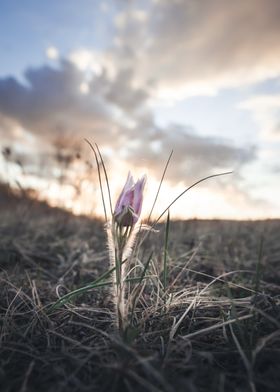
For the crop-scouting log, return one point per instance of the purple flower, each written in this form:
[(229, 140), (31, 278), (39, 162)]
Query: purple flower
[(129, 204)]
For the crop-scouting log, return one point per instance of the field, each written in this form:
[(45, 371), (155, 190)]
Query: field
[(215, 328)]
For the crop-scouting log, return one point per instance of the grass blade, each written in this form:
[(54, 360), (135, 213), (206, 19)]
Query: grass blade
[(106, 177), (160, 184), (186, 190), (99, 177), (165, 266), (67, 297)]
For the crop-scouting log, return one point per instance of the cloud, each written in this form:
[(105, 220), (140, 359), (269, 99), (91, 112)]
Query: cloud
[(51, 103), (115, 113), (180, 48), (52, 53), (265, 110), (194, 156)]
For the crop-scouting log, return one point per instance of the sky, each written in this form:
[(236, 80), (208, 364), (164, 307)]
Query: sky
[(142, 79)]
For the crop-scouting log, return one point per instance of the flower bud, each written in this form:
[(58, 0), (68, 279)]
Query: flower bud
[(129, 204)]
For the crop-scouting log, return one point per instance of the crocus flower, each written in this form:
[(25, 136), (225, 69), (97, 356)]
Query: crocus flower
[(129, 204)]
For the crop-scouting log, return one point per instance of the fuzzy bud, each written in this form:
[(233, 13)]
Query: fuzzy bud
[(129, 204)]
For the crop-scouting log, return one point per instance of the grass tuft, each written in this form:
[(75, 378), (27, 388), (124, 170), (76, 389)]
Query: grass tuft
[(212, 325)]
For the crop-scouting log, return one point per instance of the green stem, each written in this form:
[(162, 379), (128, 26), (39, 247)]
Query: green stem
[(165, 266)]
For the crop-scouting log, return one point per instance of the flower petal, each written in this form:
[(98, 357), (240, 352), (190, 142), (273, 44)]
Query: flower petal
[(129, 203), (138, 195), (128, 185)]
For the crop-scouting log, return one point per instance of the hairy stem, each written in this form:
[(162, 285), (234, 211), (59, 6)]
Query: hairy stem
[(118, 240)]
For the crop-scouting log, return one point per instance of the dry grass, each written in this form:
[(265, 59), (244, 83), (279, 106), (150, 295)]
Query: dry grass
[(210, 331)]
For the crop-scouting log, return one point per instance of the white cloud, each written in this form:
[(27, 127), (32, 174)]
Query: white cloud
[(58, 104), (265, 110), (130, 17), (52, 53), (104, 6), (88, 60), (183, 48), (84, 88)]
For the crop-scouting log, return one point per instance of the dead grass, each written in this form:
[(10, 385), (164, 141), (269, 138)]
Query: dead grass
[(210, 331)]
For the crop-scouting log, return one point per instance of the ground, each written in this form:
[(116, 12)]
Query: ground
[(216, 328)]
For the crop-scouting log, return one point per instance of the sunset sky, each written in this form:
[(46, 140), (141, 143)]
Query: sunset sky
[(142, 78)]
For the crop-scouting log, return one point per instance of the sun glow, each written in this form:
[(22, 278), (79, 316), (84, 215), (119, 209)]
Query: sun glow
[(199, 202), (80, 193)]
